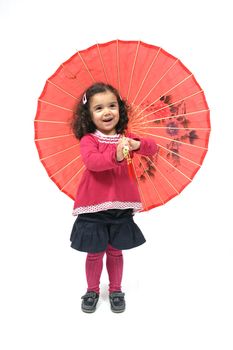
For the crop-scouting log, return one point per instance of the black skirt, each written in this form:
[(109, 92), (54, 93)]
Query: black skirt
[(92, 232)]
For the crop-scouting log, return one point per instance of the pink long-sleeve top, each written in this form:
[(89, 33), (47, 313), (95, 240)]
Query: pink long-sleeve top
[(105, 183)]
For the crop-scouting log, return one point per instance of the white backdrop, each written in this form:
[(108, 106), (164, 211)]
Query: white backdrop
[(179, 284)]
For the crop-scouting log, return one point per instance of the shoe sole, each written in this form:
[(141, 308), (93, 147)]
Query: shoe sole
[(117, 311), (88, 311)]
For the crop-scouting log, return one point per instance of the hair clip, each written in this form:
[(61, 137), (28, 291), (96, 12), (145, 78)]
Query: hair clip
[(84, 98)]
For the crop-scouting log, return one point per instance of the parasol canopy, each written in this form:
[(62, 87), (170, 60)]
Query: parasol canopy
[(167, 104)]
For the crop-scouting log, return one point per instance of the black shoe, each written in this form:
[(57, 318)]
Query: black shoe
[(117, 301), (89, 302)]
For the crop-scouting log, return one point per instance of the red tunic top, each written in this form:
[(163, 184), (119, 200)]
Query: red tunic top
[(105, 183)]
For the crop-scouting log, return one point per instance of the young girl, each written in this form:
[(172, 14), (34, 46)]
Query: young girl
[(106, 197)]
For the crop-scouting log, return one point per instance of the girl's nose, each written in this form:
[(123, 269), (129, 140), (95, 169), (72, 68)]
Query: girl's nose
[(106, 110)]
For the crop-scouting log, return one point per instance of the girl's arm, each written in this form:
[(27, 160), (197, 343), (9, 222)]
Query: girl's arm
[(144, 146), (98, 161)]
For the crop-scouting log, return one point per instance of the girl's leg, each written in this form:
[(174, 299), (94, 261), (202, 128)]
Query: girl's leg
[(114, 263), (94, 266)]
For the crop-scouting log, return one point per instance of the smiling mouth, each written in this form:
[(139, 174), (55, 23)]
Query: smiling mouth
[(107, 120)]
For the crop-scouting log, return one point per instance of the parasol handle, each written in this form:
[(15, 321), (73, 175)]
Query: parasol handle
[(125, 151)]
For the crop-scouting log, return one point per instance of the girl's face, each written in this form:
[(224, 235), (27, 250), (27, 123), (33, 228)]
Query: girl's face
[(105, 112)]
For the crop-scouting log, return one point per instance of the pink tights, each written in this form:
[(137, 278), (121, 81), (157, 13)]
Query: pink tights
[(114, 264)]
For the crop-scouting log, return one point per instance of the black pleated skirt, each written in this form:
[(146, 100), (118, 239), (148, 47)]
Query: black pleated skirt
[(92, 232)]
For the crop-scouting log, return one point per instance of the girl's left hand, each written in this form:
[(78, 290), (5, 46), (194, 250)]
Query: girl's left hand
[(134, 145), (126, 145)]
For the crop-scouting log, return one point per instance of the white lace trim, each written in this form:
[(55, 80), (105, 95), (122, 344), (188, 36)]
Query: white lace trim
[(136, 206), (102, 138)]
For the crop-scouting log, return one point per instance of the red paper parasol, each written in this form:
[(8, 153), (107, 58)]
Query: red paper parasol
[(167, 104)]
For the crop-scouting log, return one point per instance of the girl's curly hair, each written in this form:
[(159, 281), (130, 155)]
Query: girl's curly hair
[(82, 123)]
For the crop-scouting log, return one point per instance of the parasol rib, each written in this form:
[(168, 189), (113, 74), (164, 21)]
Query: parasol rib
[(189, 160), (153, 185), (86, 67), (132, 70), (53, 137), (173, 128), (171, 116), (118, 65), (173, 140), (148, 71), (139, 187), (55, 105), (165, 178), (102, 62), (170, 104), (76, 174), (175, 168), (59, 88), (157, 82), (64, 167), (49, 121), (64, 150), (163, 94)]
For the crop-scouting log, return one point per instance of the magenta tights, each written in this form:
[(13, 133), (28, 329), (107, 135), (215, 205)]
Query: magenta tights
[(114, 264)]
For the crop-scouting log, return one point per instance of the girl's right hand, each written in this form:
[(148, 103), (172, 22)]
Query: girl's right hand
[(122, 143)]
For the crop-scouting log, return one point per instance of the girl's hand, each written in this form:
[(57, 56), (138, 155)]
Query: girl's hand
[(125, 142), (122, 146), (134, 145)]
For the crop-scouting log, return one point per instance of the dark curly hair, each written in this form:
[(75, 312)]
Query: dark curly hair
[(82, 123)]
